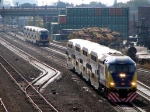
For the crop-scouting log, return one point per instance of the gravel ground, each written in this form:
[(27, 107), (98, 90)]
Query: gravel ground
[(72, 92), (13, 98)]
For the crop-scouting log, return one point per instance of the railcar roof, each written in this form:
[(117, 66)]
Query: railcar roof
[(91, 46), (100, 50), (42, 30), (81, 43), (35, 28), (104, 52), (120, 59), (74, 41)]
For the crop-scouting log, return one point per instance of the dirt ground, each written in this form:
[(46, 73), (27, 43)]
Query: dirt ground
[(72, 92)]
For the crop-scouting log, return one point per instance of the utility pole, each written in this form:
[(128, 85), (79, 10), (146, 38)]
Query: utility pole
[(134, 25), (34, 15), (17, 3), (3, 15)]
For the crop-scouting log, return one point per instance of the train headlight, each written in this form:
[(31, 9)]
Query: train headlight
[(112, 83), (122, 75), (133, 83)]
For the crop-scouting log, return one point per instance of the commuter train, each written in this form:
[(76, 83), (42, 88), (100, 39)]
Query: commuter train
[(106, 69), (36, 35)]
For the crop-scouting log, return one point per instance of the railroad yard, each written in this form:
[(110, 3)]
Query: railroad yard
[(63, 90)]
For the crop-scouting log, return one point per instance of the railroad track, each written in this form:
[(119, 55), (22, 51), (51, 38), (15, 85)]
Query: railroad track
[(3, 107), (32, 93), (54, 55), (144, 90), (60, 49), (25, 85), (128, 107), (124, 107), (27, 57), (143, 70)]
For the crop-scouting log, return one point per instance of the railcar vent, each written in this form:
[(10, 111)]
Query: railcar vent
[(115, 54)]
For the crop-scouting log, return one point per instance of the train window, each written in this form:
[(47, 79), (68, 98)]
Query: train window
[(78, 49), (112, 68), (76, 63), (88, 66), (93, 58), (83, 68), (132, 68), (69, 58), (84, 53), (97, 72), (69, 45), (121, 68), (93, 75), (73, 56), (81, 61), (43, 33)]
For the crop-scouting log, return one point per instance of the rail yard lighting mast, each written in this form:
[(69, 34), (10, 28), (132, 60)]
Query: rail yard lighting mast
[(17, 3), (3, 15), (34, 14)]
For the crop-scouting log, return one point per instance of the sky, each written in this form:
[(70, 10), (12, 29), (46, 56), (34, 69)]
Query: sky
[(76, 2)]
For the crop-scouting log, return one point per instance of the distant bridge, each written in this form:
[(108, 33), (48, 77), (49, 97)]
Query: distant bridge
[(29, 11)]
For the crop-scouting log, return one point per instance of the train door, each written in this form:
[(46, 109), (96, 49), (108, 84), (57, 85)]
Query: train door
[(34, 39), (102, 76), (89, 68), (94, 75), (73, 61), (80, 66)]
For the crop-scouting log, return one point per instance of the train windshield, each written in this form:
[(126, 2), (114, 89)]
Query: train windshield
[(43, 32), (121, 68)]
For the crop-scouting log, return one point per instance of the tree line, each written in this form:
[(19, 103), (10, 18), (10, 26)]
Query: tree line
[(132, 4)]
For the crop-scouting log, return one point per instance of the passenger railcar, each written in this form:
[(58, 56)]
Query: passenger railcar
[(108, 70), (71, 49), (36, 35)]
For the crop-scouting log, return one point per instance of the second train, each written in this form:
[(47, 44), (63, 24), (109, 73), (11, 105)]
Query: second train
[(36, 35)]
